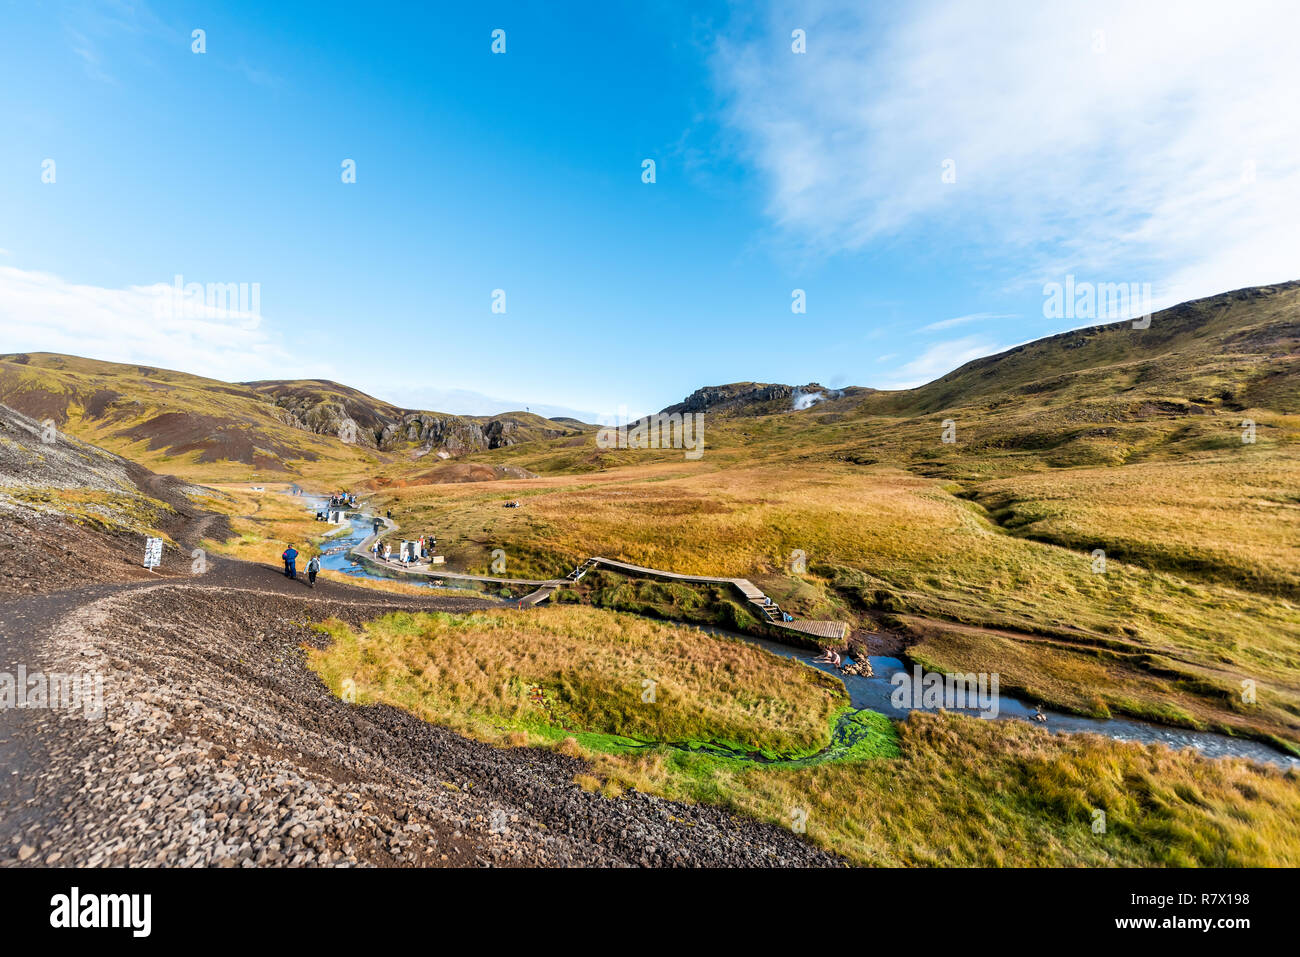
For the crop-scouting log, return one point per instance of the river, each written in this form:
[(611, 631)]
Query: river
[(876, 693)]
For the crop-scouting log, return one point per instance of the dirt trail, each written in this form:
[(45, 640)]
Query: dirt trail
[(218, 746)]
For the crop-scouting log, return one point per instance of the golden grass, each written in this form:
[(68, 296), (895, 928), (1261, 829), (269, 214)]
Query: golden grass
[(96, 508), (963, 792), (591, 670), (893, 543), (978, 793), (394, 587), (155, 397), (1233, 519), (265, 522)]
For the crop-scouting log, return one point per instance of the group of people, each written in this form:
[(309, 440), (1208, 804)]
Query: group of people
[(420, 550), (343, 500), (290, 558)]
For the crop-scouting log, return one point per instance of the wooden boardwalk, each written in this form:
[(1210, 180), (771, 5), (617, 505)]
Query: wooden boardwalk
[(766, 609)]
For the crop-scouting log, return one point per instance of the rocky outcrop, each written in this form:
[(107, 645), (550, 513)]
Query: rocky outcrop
[(453, 434), (752, 398), (450, 433), (327, 417)]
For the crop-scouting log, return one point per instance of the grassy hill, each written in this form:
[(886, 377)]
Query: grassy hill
[(170, 421), (323, 406), (1098, 531), (217, 431), (1104, 395)]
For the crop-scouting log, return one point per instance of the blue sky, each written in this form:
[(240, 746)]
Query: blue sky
[(921, 171)]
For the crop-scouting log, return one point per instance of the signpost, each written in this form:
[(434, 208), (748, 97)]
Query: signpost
[(153, 553)]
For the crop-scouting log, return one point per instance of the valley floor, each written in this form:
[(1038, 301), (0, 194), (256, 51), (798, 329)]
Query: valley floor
[(220, 747)]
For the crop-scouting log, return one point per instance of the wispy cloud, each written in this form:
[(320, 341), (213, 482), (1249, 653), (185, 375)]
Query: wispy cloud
[(41, 312), (940, 358), (92, 61), (1118, 140), (962, 320), (147, 324)]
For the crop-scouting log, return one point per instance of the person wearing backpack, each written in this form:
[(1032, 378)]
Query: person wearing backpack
[(313, 567)]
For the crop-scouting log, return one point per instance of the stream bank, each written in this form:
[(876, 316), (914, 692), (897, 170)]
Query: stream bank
[(878, 692)]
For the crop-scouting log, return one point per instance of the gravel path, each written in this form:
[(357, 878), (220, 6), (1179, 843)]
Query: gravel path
[(218, 746)]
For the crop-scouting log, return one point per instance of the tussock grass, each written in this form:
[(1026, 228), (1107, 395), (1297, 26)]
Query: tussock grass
[(395, 587), (555, 671), (113, 512), (887, 545), (977, 793), (263, 523), (952, 790), (1233, 519)]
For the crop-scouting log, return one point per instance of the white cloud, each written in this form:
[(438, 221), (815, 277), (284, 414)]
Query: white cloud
[(939, 359), (41, 312), (962, 320), (152, 325), (1123, 155)]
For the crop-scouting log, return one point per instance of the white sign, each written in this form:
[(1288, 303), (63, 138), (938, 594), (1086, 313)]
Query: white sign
[(153, 552)]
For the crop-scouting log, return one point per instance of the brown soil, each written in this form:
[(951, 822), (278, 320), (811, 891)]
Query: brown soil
[(215, 439)]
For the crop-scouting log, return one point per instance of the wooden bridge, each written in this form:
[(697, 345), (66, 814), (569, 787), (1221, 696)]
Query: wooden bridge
[(766, 609)]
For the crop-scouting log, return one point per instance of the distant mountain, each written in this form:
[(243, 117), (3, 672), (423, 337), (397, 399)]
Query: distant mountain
[(1235, 350), (760, 398), (174, 421), (1096, 395), (1103, 395), (327, 408)]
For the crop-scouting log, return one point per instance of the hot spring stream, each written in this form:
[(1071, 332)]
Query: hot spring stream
[(875, 692)]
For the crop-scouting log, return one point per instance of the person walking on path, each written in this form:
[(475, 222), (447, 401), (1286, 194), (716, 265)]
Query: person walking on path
[(313, 567), (290, 557)]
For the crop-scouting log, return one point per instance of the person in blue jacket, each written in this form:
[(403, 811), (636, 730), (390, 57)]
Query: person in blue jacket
[(290, 557)]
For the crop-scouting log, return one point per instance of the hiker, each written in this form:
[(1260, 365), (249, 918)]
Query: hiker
[(1039, 716), (290, 557), (388, 553), (313, 567)]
